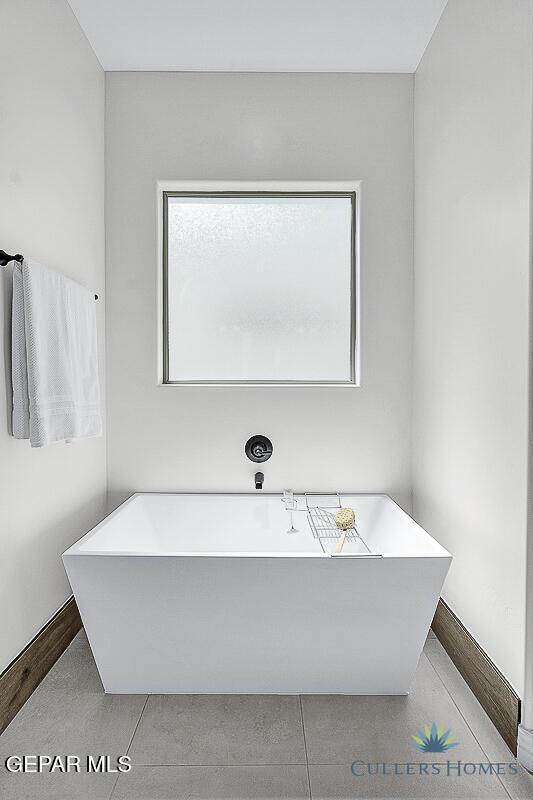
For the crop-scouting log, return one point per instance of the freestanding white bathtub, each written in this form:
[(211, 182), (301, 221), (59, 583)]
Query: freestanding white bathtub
[(206, 593)]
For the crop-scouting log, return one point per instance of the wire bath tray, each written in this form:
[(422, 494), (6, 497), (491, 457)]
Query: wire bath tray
[(323, 524)]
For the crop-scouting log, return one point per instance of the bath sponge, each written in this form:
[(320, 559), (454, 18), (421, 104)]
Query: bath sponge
[(345, 518)]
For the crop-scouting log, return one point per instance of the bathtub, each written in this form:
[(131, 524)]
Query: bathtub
[(211, 593)]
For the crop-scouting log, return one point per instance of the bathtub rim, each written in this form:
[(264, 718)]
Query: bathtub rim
[(75, 549)]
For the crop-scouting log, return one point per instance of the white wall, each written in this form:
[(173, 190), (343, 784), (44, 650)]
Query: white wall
[(472, 220), (171, 126), (51, 207)]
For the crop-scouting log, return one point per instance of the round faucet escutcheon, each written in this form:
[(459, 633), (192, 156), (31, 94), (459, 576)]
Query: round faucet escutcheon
[(258, 448)]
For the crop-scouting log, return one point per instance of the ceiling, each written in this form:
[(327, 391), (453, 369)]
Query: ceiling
[(259, 35)]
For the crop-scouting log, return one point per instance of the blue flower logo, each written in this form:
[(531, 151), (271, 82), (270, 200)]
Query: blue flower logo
[(433, 740)]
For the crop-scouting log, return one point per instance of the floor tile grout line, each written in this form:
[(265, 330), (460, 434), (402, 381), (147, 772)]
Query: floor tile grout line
[(229, 766), (270, 764), (450, 695), (448, 691), (114, 787), (380, 761), (241, 764), (305, 747), (137, 724), (128, 748)]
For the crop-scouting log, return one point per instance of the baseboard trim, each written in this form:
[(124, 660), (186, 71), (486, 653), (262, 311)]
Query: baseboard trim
[(26, 671), (489, 685)]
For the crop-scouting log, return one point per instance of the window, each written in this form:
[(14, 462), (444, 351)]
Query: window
[(259, 287)]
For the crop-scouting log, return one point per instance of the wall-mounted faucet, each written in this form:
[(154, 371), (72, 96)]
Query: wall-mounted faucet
[(258, 448)]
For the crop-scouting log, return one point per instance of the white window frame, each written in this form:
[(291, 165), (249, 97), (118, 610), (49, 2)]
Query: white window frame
[(264, 187)]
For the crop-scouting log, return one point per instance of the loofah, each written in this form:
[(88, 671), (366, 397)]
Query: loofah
[(345, 519)]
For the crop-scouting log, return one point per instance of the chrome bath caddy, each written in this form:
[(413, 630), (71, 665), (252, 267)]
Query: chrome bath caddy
[(321, 510)]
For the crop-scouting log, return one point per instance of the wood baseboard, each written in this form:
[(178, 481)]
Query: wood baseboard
[(489, 685), (26, 671)]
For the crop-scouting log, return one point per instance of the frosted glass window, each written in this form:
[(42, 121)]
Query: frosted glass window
[(259, 288)]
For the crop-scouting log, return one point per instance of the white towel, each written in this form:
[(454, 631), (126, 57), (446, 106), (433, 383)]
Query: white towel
[(56, 394)]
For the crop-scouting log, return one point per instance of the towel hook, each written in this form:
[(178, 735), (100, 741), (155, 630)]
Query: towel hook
[(5, 258)]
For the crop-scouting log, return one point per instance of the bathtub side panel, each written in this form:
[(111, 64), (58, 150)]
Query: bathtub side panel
[(256, 625)]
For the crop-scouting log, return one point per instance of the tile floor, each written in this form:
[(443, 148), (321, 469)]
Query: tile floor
[(202, 747)]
